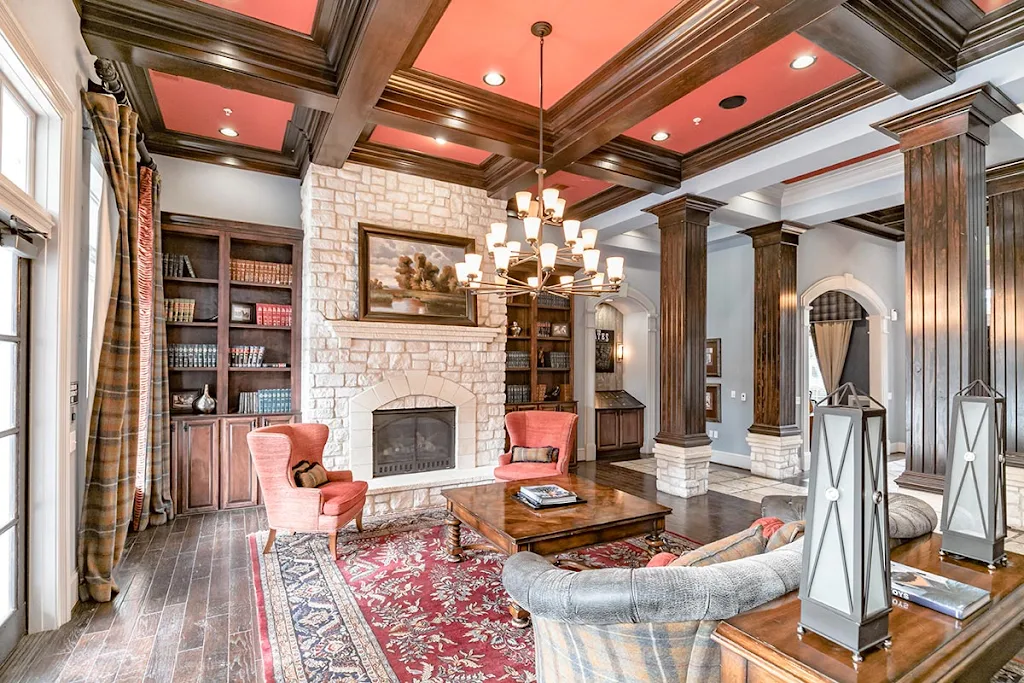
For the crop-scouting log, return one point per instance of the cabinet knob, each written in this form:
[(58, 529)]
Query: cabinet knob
[(254, 424), (184, 427)]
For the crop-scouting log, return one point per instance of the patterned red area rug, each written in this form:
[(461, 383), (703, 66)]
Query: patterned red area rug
[(393, 609)]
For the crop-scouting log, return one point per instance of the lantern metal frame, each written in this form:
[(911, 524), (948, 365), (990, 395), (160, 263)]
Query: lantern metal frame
[(987, 548), (860, 628)]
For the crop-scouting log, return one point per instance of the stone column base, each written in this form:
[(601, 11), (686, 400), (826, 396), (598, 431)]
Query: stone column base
[(774, 457), (682, 471)]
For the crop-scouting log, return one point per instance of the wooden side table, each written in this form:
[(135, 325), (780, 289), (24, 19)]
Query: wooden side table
[(762, 646)]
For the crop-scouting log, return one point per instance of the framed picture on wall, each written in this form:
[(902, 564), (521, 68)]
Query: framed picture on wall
[(559, 329), (713, 402), (604, 351), (243, 313), (181, 401), (409, 276), (713, 357)]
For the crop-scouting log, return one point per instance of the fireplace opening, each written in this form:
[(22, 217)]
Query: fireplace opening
[(413, 440)]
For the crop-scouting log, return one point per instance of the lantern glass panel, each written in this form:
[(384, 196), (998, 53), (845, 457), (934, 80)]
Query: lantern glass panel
[(832, 549), (877, 592), (970, 463)]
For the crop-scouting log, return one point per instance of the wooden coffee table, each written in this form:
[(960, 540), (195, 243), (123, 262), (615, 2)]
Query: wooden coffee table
[(763, 646), (512, 527)]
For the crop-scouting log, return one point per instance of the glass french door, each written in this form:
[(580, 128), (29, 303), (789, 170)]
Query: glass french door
[(13, 383)]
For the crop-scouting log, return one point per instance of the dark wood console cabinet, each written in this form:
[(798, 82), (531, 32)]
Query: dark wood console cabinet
[(619, 424)]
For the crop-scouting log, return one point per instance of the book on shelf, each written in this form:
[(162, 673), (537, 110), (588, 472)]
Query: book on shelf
[(274, 315), (952, 598), (265, 401), (177, 265), (247, 356), (179, 310), (261, 272), (547, 494), (192, 355)]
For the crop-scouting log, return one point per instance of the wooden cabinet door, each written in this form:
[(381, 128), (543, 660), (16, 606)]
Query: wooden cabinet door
[(631, 428), (238, 484), (197, 451), (274, 420), (607, 429)]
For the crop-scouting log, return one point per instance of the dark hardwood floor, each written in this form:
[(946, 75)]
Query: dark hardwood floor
[(186, 612)]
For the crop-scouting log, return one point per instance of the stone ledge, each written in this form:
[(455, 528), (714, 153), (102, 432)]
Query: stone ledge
[(361, 329), (425, 480)]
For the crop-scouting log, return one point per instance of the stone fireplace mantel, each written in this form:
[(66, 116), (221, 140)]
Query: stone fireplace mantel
[(362, 329)]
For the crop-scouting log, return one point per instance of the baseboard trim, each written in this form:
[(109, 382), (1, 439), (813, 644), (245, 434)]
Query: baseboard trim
[(730, 459)]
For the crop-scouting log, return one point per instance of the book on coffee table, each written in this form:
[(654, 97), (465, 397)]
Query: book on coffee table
[(953, 598), (547, 494)]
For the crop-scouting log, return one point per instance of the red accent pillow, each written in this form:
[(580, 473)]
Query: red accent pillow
[(769, 525)]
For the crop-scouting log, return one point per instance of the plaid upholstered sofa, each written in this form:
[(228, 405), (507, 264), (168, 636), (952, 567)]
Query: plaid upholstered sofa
[(655, 624)]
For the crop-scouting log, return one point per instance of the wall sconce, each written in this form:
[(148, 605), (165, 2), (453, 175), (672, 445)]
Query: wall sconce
[(845, 580), (974, 495), (619, 351)]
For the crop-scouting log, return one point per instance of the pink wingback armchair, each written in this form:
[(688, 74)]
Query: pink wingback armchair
[(538, 428), (275, 450)]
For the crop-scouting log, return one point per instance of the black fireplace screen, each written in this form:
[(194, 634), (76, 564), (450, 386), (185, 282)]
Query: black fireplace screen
[(413, 440)]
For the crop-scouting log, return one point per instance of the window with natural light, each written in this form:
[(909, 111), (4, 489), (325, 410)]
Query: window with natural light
[(16, 135)]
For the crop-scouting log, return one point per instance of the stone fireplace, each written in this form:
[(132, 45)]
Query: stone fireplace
[(352, 369), (409, 440)]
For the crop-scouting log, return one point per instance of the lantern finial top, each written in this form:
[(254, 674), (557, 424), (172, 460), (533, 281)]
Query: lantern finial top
[(979, 388), (847, 395)]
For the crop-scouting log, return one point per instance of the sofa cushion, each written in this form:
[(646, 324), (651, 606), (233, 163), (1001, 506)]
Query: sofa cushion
[(769, 525), (662, 560), (789, 532), (786, 508), (541, 454), (339, 496), (745, 543)]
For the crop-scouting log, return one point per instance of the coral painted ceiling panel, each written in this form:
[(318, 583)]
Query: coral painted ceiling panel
[(198, 108), (475, 37), (991, 5), (574, 188), (297, 15), (766, 80), (426, 145)]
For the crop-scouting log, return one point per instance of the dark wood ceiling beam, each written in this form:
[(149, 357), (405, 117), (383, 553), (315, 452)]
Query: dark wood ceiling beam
[(386, 35), (911, 46), (208, 150), (689, 46), (871, 227), (999, 31), (431, 105), (632, 163), (205, 42), (415, 163), (844, 98), (603, 201)]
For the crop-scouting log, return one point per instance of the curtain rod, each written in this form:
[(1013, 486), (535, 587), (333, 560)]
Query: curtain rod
[(111, 85)]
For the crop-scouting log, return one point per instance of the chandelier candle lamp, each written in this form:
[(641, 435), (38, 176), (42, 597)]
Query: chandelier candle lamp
[(845, 580), (974, 496), (542, 267)]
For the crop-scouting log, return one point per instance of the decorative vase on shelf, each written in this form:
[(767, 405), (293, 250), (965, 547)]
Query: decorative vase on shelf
[(205, 404), (515, 329)]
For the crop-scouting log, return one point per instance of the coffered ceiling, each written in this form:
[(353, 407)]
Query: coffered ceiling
[(400, 83)]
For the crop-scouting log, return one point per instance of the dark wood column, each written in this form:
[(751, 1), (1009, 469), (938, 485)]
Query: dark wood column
[(776, 326), (683, 222), (1006, 226), (943, 146)]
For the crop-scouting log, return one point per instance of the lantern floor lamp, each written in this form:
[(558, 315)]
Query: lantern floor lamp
[(974, 495), (845, 580)]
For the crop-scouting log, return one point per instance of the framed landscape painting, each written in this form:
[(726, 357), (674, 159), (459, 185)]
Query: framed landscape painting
[(407, 276), (713, 357)]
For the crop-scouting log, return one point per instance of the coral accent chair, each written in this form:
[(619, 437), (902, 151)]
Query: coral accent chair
[(275, 450), (534, 429)]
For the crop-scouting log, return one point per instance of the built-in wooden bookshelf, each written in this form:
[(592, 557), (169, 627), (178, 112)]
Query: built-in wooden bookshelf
[(537, 360), (212, 467)]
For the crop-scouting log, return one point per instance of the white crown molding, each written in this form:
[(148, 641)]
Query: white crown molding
[(841, 179), (361, 329)]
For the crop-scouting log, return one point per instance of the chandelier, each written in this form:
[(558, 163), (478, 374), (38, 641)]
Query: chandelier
[(542, 267)]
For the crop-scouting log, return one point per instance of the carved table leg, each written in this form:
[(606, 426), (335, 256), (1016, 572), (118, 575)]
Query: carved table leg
[(453, 541), (520, 617), (655, 543)]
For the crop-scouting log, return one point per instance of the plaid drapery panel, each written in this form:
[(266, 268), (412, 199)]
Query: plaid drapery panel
[(114, 423), (153, 502)]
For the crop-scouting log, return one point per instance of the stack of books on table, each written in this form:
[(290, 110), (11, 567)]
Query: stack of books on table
[(547, 495)]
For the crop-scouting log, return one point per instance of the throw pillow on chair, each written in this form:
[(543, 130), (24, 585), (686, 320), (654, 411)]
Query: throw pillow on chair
[(538, 454)]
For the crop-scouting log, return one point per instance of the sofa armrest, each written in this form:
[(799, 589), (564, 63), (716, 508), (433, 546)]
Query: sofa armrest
[(909, 517), (660, 595), (504, 459), (339, 475)]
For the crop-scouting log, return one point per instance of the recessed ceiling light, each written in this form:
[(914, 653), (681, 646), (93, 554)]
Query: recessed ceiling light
[(696, 120), (227, 111), (803, 61), (661, 136), (733, 102), (440, 140), (229, 132), (494, 78)]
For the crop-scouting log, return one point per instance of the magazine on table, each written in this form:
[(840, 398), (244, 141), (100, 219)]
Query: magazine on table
[(956, 599), (547, 494)]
